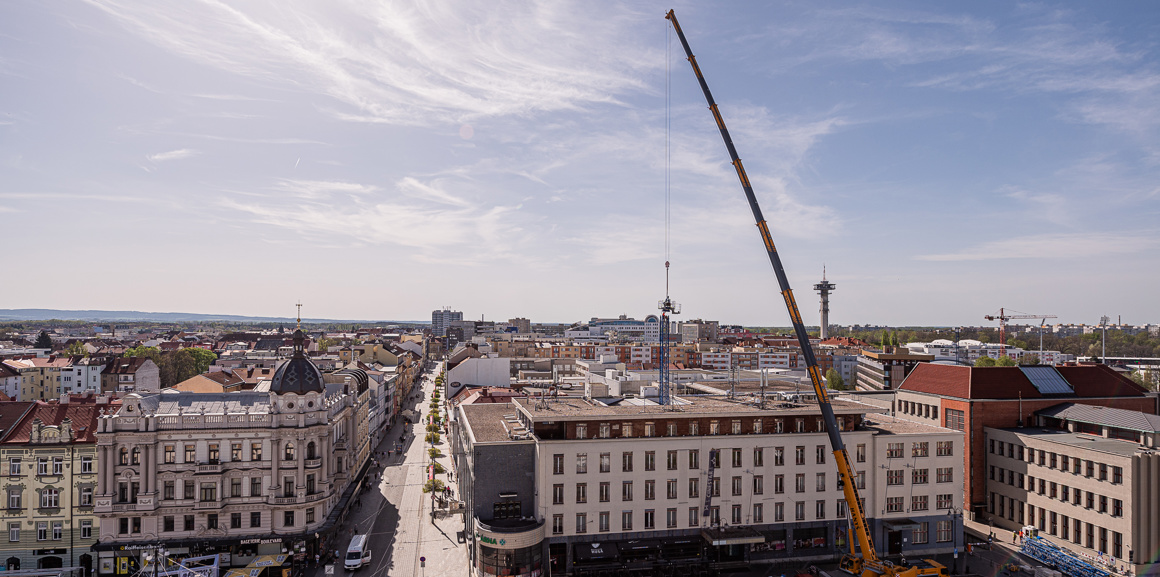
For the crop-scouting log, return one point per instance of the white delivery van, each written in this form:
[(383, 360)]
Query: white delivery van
[(358, 553)]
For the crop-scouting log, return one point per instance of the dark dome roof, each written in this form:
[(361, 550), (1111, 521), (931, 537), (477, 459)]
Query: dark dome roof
[(299, 374)]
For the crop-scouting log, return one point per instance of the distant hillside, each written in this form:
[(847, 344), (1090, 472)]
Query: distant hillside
[(90, 315)]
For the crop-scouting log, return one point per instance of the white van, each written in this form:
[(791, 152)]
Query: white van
[(358, 553)]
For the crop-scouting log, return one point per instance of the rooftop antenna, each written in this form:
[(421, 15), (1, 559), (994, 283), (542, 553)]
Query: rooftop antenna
[(824, 288)]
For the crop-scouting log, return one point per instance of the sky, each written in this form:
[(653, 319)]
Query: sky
[(379, 159)]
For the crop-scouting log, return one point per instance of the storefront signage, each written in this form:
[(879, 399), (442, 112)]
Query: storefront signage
[(490, 540), (49, 551), (259, 541)]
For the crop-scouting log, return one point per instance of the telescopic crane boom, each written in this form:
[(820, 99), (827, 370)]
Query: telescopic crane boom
[(869, 563)]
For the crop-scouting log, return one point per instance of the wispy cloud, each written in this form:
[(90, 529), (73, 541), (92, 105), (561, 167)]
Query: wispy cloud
[(405, 64), (1052, 246), (173, 155)]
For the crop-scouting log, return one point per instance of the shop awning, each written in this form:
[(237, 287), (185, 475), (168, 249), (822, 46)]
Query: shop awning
[(589, 552), (732, 536), (639, 546), (900, 524)]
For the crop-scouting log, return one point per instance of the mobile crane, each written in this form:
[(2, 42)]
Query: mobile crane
[(868, 564)]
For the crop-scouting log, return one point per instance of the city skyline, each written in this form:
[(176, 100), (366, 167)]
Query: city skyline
[(940, 162)]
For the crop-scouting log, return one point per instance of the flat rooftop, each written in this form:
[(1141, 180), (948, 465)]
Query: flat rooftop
[(1067, 439), (888, 425), (487, 422), (690, 406)]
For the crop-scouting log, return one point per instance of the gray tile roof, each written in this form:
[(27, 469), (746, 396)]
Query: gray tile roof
[(169, 403), (1104, 416)]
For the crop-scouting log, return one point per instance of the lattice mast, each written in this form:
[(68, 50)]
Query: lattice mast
[(668, 308)]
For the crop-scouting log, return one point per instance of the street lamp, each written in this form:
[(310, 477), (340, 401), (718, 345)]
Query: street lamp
[(955, 514)]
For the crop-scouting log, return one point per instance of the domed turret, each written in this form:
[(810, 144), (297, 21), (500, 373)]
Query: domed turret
[(299, 374)]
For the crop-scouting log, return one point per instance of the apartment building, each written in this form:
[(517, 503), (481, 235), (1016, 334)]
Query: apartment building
[(131, 375), (715, 483), (442, 319), (1086, 476), (969, 399), (48, 458), (246, 473), (885, 370)]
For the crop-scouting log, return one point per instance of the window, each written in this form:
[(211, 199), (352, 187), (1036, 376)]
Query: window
[(650, 430), (944, 529), (14, 466), (626, 490), (779, 484), (694, 488), (894, 451), (86, 496), (921, 534), (714, 428), (235, 520), (187, 489), (757, 430), (235, 451), (860, 453), (800, 456), (694, 458), (694, 517), (214, 453), (862, 480), (557, 524), (1103, 475), (558, 464), (87, 529), (605, 430), (945, 474), (671, 518), (581, 492), (650, 490), (778, 512), (209, 491), (288, 518), (255, 486), (1064, 464), (122, 528), (758, 457), (736, 458), (650, 519), (605, 492), (167, 490), (50, 498), (758, 485), (799, 511), (671, 460), (736, 486), (211, 521), (1117, 508), (694, 428), (86, 464), (255, 451), (605, 462), (626, 430), (236, 487), (190, 453), (581, 522), (187, 523), (626, 462), (820, 454), (581, 431), (558, 494), (894, 504), (650, 460), (288, 453), (920, 449), (779, 456), (604, 521), (1117, 476), (840, 507), (820, 482), (14, 531), (42, 465), (800, 483), (820, 509), (894, 477), (672, 429), (944, 501), (954, 419), (123, 457), (287, 486), (918, 476), (255, 519), (918, 503), (1103, 503), (582, 463), (714, 515)]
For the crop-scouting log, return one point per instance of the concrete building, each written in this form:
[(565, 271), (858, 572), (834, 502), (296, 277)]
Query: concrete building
[(1086, 476), (245, 474), (9, 381), (578, 487), (82, 376), (885, 370), (50, 475), (131, 375), (969, 399), (441, 319)]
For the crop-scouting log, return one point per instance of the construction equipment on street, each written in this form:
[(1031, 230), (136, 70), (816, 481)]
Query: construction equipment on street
[(1065, 561), (867, 564)]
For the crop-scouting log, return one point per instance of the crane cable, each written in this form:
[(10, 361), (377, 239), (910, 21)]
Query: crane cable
[(668, 152)]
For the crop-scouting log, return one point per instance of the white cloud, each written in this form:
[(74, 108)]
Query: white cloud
[(1052, 246), (173, 155)]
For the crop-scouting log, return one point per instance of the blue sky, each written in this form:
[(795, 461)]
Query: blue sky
[(381, 159)]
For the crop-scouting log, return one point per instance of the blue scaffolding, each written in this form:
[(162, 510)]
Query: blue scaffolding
[(1045, 552)]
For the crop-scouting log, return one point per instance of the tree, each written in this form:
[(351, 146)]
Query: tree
[(151, 353), (433, 485), (1029, 360), (432, 438), (1005, 361), (202, 359), (76, 349), (43, 341), (833, 379), (985, 362), (434, 453), (325, 343)]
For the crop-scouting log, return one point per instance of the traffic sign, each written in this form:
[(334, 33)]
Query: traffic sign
[(330, 570), (422, 561)]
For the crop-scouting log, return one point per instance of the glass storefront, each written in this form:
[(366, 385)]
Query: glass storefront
[(522, 562)]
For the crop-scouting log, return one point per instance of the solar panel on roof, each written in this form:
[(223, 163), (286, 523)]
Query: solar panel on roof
[(1047, 380)]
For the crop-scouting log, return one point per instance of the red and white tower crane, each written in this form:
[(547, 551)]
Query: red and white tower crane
[(1003, 317)]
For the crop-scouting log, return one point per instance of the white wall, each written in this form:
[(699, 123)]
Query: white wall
[(482, 372)]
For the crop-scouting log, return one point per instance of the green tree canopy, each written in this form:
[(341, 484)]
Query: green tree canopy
[(151, 353), (1005, 361), (43, 341), (985, 362), (76, 349), (833, 379), (202, 359)]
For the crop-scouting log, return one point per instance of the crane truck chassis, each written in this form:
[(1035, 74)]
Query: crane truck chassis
[(867, 564)]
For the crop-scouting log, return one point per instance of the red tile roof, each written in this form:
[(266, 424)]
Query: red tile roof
[(83, 417), (10, 413), (1010, 382)]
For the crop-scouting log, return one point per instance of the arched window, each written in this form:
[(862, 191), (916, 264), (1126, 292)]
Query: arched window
[(136, 456), (289, 451), (310, 454), (124, 456)]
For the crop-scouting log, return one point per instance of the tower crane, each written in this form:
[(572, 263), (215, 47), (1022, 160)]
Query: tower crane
[(868, 564), (1003, 317)]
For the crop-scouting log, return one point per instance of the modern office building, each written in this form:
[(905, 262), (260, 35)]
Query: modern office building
[(442, 319), (583, 486)]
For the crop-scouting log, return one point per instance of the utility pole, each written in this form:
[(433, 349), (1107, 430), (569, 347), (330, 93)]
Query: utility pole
[(1104, 338)]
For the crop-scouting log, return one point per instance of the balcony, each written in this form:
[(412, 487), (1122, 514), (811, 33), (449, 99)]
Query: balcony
[(340, 445), (207, 505), (283, 500), (317, 496), (209, 469), (313, 463)]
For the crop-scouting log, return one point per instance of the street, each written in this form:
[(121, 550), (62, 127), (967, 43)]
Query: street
[(395, 512)]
